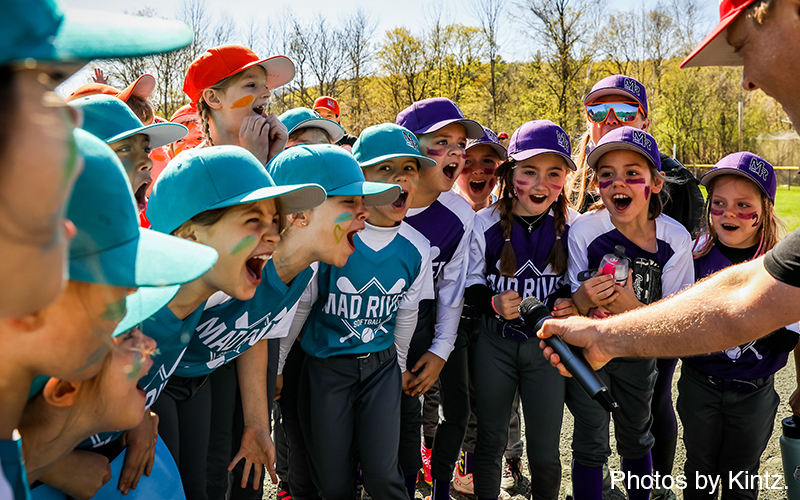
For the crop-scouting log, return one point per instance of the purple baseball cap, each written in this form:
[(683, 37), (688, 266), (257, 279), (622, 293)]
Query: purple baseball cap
[(746, 164), (539, 137), (629, 138), (618, 84), (430, 115), (490, 139)]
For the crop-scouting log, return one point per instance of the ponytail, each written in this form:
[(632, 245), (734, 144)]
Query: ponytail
[(203, 111), (508, 259)]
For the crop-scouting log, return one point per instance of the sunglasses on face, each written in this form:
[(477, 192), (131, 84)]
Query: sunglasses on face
[(624, 111)]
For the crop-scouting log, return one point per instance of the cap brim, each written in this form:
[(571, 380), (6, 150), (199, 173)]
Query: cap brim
[(714, 49), (474, 129), (160, 134), (158, 260), (294, 198), (280, 70), (501, 151), (716, 172), (334, 130), (607, 91), (87, 34), (530, 153), (599, 151), (144, 303), (424, 160), (376, 194), (143, 87)]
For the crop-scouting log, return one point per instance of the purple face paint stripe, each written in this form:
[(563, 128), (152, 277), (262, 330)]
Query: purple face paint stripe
[(605, 184), (647, 192), (716, 212), (434, 152), (635, 181)]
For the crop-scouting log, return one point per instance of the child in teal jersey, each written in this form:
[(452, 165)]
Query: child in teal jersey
[(360, 320)]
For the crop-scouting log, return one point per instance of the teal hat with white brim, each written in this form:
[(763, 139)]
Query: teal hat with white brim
[(334, 169), (204, 179), (110, 119), (109, 247), (299, 118), (40, 30), (386, 141)]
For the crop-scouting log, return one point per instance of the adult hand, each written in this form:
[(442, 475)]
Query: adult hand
[(579, 332), (141, 452), (507, 304), (564, 308), (80, 474), (257, 450), (426, 373), (596, 291)]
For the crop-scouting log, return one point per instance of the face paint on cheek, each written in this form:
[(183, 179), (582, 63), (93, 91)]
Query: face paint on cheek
[(115, 311), (243, 102), (753, 216), (434, 152), (244, 243), (338, 232), (71, 162), (344, 217), (716, 212), (95, 357), (647, 192), (605, 184), (463, 156), (134, 370)]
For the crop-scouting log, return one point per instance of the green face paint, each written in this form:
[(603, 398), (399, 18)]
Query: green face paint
[(245, 242), (338, 233), (115, 311), (344, 217), (134, 370), (71, 161)]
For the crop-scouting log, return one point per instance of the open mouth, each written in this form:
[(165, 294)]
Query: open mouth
[(260, 110), (255, 265), (450, 171), (477, 186), (729, 227), (622, 202), (400, 202), (141, 195), (538, 198)]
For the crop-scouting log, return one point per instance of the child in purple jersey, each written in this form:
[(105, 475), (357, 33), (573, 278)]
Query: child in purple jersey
[(727, 401), (518, 250), (627, 175), (445, 219)]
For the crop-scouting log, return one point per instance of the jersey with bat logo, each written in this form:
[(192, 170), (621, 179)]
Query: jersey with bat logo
[(355, 306)]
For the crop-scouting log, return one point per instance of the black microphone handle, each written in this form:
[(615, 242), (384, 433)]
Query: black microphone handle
[(582, 372)]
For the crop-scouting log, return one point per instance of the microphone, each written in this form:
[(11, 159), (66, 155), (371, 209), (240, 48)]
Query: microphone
[(534, 313)]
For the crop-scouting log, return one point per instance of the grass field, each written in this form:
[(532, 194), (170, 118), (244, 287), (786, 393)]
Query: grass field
[(787, 204)]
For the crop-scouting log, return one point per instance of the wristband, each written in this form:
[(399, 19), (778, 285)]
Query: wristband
[(493, 307)]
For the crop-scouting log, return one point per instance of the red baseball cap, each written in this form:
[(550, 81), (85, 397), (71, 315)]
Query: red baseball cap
[(221, 62), (502, 135), (143, 87), (714, 49), (185, 113), (328, 103)]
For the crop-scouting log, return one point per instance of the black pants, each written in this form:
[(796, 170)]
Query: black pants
[(454, 399), (183, 410)]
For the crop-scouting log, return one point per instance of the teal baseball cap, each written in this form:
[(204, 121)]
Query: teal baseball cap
[(141, 305), (334, 169), (41, 30), (298, 118), (216, 177), (386, 141), (110, 119), (110, 248)]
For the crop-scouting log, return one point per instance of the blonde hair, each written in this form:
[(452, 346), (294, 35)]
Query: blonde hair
[(557, 259), (579, 180), (204, 110), (773, 229)]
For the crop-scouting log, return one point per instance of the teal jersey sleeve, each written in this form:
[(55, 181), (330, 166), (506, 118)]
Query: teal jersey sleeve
[(13, 480)]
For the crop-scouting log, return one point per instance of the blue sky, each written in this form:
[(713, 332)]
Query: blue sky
[(387, 14)]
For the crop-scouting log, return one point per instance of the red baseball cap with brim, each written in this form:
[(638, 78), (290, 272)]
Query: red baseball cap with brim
[(186, 113), (714, 49), (221, 62), (143, 87)]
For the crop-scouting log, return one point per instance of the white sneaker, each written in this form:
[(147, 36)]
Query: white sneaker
[(463, 483)]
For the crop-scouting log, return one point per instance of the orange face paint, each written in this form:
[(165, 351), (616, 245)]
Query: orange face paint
[(243, 102)]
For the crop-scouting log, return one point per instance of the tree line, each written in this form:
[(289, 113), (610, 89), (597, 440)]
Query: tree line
[(573, 44)]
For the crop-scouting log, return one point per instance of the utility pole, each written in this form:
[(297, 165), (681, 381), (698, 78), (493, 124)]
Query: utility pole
[(741, 126)]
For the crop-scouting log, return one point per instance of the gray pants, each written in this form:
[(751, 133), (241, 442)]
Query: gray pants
[(514, 446), (724, 431), (502, 367), (631, 382), (349, 407)]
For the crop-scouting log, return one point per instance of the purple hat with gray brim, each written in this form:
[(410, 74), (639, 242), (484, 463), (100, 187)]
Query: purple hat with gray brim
[(746, 164), (618, 84), (629, 138), (489, 139), (430, 115), (540, 137)]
